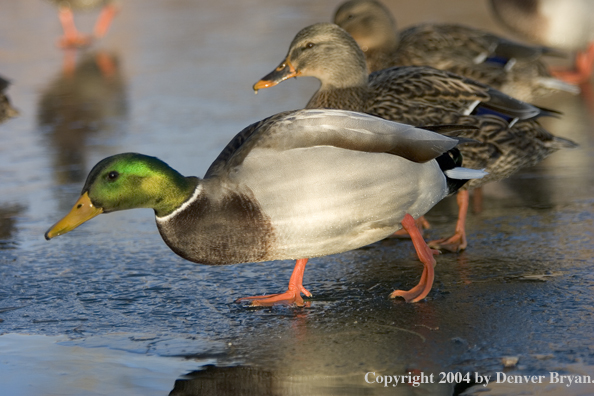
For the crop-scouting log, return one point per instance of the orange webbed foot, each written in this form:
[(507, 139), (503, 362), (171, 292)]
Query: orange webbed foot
[(422, 289), (290, 297), (454, 244), (426, 255), (293, 294)]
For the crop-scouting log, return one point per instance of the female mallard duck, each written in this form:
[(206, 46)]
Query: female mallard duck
[(507, 135), (6, 109), (514, 68), (296, 185), (561, 24), (72, 37)]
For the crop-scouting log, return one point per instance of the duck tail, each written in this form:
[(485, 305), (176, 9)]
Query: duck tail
[(465, 174), (562, 143), (456, 176), (557, 53), (545, 112), (557, 85)]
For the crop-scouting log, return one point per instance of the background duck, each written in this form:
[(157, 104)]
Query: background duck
[(6, 109), (561, 24), (72, 37), (514, 68), (296, 185), (507, 135)]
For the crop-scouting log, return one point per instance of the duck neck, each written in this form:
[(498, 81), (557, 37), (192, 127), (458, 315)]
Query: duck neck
[(353, 98), (345, 75), (345, 81), (384, 37), (175, 191)]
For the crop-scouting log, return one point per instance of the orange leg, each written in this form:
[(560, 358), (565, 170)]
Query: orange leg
[(104, 20), (425, 254), (72, 38), (291, 296), (584, 63), (456, 242), (422, 225)]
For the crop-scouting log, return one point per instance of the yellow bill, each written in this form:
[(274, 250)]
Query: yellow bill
[(82, 211)]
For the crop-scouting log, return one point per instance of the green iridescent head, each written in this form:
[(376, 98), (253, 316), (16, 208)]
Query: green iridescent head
[(127, 181)]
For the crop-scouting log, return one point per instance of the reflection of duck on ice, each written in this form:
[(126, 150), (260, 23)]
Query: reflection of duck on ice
[(86, 97)]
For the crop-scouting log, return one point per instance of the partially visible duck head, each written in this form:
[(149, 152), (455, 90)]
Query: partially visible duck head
[(370, 23), (324, 51)]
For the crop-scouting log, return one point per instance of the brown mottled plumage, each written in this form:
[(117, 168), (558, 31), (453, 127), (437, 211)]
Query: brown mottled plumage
[(514, 68), (508, 136)]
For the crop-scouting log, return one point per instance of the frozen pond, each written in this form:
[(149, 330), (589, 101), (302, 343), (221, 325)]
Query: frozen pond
[(109, 309)]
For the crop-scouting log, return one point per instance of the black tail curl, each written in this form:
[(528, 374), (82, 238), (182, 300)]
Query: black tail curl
[(450, 160)]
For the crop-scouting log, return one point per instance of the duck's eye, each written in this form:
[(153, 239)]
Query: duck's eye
[(111, 176), (309, 45)]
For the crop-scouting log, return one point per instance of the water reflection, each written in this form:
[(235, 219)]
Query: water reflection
[(527, 186), (562, 174), (8, 214), (245, 380), (86, 98), (223, 381)]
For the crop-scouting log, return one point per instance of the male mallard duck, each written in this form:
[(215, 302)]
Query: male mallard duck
[(507, 135), (561, 24), (296, 185), (6, 109), (72, 37), (513, 68)]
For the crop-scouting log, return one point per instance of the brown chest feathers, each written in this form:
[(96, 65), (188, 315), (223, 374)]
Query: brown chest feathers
[(230, 230)]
